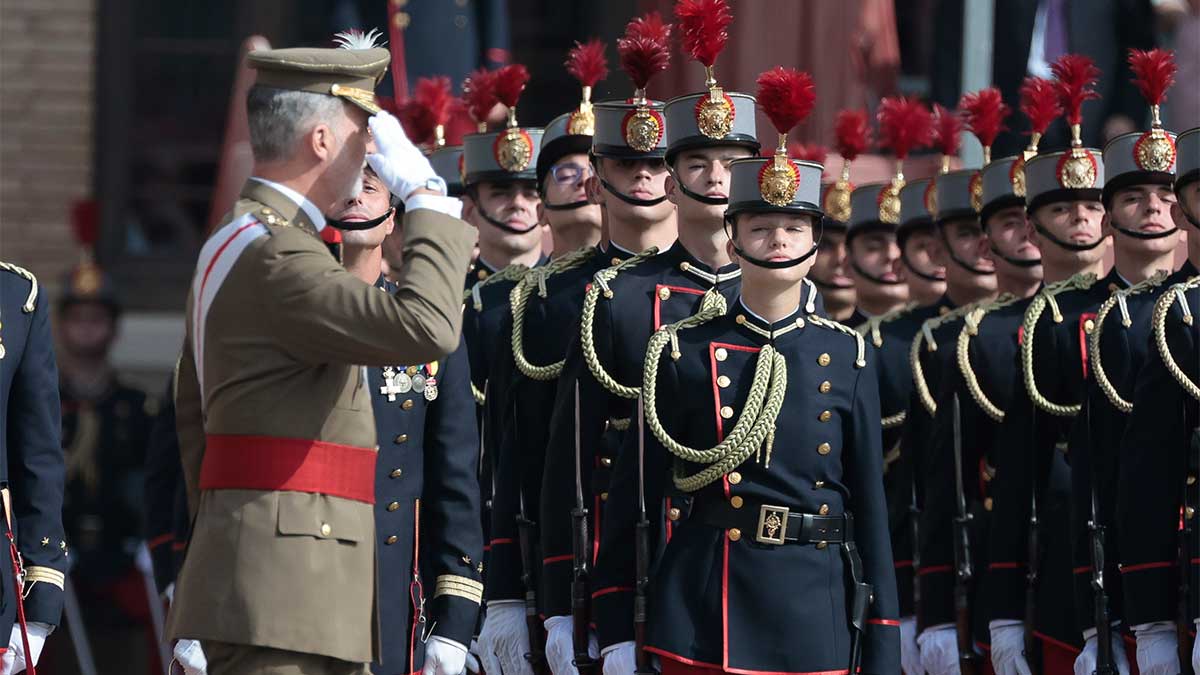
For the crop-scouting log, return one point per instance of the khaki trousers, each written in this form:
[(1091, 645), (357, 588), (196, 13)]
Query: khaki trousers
[(230, 659)]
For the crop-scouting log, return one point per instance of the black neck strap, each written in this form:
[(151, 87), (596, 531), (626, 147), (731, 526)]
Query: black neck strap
[(959, 261), (1142, 235), (696, 196), (774, 264), (826, 285), (1064, 244), (871, 277), (500, 223), (631, 200), (569, 206), (913, 268), (358, 225), (1016, 262)]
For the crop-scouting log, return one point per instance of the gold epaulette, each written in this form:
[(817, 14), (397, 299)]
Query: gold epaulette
[(925, 335), (31, 299), (871, 326), (587, 318), (1118, 299), (518, 299), (969, 330), (1176, 294), (269, 216), (860, 360), (1043, 299)]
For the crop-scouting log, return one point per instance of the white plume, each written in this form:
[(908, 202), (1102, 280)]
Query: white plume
[(356, 39)]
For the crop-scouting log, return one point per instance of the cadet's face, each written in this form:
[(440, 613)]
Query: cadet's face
[(512, 203), (775, 237), (704, 171), (1008, 233), (919, 248), (566, 183), (961, 238), (830, 267), (637, 178), (1076, 222), (877, 254), (1143, 208), (87, 329), (371, 202)]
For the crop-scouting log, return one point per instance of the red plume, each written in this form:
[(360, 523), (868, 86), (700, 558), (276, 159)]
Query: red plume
[(433, 94), (904, 123), (852, 134), (703, 25), (645, 49), (417, 121), (1039, 103), (1153, 73), (812, 152), (1075, 75), (479, 93), (587, 63), (85, 221), (984, 112), (510, 82), (786, 96), (947, 130)]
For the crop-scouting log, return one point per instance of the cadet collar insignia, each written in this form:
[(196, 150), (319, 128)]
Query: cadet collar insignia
[(643, 128), (1016, 176), (1154, 151), (779, 180), (417, 379), (1076, 169)]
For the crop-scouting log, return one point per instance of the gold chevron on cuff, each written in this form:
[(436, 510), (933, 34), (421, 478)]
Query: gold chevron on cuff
[(463, 587), (49, 575)]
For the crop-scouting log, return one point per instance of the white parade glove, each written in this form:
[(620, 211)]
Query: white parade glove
[(939, 650), (1157, 648), (188, 654), (1195, 651), (504, 639), (169, 594), (1085, 663), (444, 657), (560, 645), (1008, 647), (473, 658), (910, 653), (14, 659), (619, 659), (399, 164)]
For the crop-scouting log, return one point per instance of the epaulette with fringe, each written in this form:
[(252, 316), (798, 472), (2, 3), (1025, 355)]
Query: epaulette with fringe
[(925, 336), (969, 330), (1118, 299), (1176, 295), (31, 299), (1044, 299)]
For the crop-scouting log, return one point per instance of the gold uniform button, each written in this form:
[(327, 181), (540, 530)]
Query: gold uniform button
[(823, 449), (825, 387), (407, 405), (1113, 287), (402, 20), (402, 438), (726, 412), (818, 485), (664, 293), (606, 461), (393, 506), (943, 310), (823, 360), (673, 515), (395, 473), (821, 545), (734, 534), (723, 381), (721, 354), (740, 319), (326, 529), (616, 261), (1190, 513), (603, 496), (391, 540), (735, 478), (1191, 480), (825, 416), (824, 510), (736, 502), (1089, 326), (987, 504)]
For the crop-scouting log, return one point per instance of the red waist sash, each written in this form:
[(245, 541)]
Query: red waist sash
[(236, 462)]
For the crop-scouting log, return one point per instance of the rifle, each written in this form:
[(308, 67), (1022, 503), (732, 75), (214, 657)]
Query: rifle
[(1105, 665), (526, 531), (642, 556), (963, 572), (1182, 623), (580, 595), (1033, 558)]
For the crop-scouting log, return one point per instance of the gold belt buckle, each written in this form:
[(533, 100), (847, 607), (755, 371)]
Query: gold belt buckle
[(772, 524)]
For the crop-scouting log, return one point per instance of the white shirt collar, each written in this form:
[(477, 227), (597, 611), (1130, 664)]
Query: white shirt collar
[(761, 319), (314, 214)]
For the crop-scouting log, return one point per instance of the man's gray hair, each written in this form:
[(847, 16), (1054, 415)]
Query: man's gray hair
[(279, 117)]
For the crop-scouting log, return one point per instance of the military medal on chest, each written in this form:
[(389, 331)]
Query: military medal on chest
[(395, 381)]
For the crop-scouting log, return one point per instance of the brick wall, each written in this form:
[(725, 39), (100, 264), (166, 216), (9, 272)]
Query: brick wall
[(47, 62)]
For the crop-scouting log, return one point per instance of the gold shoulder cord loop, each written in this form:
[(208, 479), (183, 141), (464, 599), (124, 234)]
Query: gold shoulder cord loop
[(1161, 309), (518, 299), (1029, 325), (873, 325), (860, 360), (510, 273), (914, 353), (587, 318), (970, 329), (31, 299), (1117, 299)]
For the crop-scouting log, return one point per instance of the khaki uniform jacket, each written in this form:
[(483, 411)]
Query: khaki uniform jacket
[(294, 570)]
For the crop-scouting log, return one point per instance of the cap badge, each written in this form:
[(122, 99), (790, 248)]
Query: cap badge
[(1076, 169), (778, 181), (513, 149), (976, 187), (930, 198), (1154, 151), (582, 122), (643, 129), (889, 202), (714, 114), (837, 200), (1016, 176)]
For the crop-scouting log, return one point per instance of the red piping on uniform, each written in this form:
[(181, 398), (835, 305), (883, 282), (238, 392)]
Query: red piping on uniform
[(159, 541), (902, 563), (1004, 566), (204, 281), (984, 647), (1057, 643), (178, 545), (725, 603), (1146, 566), (502, 540), (612, 589), (658, 300), (682, 659), (415, 586), (557, 559), (885, 622), (933, 569), (596, 531), (669, 525), (1082, 570), (1083, 340)]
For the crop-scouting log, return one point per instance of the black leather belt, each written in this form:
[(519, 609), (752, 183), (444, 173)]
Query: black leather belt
[(776, 525)]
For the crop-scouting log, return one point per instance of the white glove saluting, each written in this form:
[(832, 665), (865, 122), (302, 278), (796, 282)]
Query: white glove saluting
[(444, 657), (1085, 663), (14, 659), (1008, 647), (504, 639), (398, 163), (620, 659), (1157, 648), (560, 645)]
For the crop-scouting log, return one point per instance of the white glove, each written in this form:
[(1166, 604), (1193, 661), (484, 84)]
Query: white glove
[(620, 659), (1157, 648), (1008, 647), (910, 653), (504, 639), (399, 164), (444, 657), (1195, 652), (14, 659), (939, 650), (560, 645), (472, 665), (188, 654), (1085, 663)]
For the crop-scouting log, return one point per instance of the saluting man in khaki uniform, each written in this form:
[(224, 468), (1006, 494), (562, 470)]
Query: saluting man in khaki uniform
[(274, 416)]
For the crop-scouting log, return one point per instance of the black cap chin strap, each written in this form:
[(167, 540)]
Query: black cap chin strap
[(631, 200), (871, 277), (774, 264), (1064, 244), (913, 268), (826, 285), (959, 261), (353, 225), (1142, 235), (501, 224), (696, 196), (564, 207), (1015, 262)]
